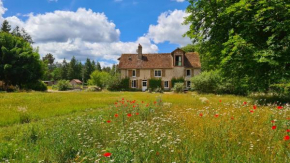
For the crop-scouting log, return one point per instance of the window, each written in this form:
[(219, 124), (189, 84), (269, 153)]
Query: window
[(188, 84), (188, 73), (133, 73), (157, 73), (178, 61), (166, 84), (133, 84)]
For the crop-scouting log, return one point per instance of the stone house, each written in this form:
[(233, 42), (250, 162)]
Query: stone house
[(142, 67), (76, 83)]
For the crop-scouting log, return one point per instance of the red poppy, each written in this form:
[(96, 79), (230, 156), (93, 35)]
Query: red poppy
[(157, 153), (286, 137), (252, 111), (134, 106), (201, 114), (273, 121), (116, 115), (155, 102), (123, 99), (216, 115), (274, 127), (254, 107), (288, 130), (116, 103), (108, 121), (147, 105), (220, 100), (129, 114), (107, 154), (232, 118), (245, 103), (279, 107), (137, 113)]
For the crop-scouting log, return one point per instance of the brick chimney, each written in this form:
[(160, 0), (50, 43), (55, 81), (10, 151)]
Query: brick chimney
[(139, 51)]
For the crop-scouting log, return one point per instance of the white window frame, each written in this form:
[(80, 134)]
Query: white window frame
[(133, 73), (155, 73), (167, 84), (188, 86), (132, 84), (189, 72)]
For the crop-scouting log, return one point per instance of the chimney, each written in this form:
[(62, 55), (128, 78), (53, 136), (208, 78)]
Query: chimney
[(139, 51)]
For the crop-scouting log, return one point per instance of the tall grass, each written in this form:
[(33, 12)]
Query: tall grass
[(141, 127)]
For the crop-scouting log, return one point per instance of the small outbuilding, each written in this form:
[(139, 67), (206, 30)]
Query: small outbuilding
[(76, 83)]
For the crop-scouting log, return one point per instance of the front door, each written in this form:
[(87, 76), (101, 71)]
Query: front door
[(144, 85)]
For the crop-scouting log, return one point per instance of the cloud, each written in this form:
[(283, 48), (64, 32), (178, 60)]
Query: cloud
[(52, 0), (170, 28), (179, 0)]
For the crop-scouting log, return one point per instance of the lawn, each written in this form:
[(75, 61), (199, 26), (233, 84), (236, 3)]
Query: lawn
[(141, 127)]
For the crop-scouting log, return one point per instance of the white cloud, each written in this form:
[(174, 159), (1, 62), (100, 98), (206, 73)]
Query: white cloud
[(179, 0), (170, 28)]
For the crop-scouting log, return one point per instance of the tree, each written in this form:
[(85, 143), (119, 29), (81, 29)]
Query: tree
[(100, 79), (6, 27), (20, 64), (99, 68), (247, 40), (88, 69), (64, 70), (74, 69), (49, 58), (16, 32), (189, 48), (22, 33)]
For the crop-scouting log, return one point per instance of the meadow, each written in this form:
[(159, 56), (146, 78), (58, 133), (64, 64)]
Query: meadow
[(141, 127)]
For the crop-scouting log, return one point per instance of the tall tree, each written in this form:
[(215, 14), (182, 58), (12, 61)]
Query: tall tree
[(16, 32), (99, 68), (74, 69), (88, 69), (20, 64), (6, 27), (64, 70), (248, 40), (26, 36), (49, 58)]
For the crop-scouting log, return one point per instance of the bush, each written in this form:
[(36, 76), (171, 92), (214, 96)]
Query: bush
[(93, 89), (207, 82), (37, 86), (178, 87), (282, 90), (158, 90), (177, 80), (154, 83), (119, 85), (63, 85)]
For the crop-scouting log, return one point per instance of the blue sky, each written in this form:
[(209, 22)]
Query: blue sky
[(99, 29)]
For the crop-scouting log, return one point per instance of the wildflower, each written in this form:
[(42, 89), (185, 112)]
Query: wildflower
[(252, 111), (129, 114), (157, 153), (288, 130), (273, 121), (107, 154), (122, 99), (116, 115), (155, 102), (220, 100), (142, 102), (201, 114), (245, 103), (286, 137), (216, 115), (254, 107), (279, 107), (108, 121), (137, 113), (232, 118), (274, 127)]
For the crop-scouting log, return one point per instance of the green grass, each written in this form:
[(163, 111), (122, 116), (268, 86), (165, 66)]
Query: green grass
[(73, 127)]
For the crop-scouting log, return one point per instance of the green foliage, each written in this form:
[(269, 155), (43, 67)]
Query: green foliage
[(63, 85), (154, 83), (177, 80), (74, 70), (64, 70), (49, 58), (282, 90), (178, 87), (189, 48), (207, 82), (243, 40), (88, 70), (6, 27), (20, 64), (100, 79), (158, 90), (37, 86), (120, 85)]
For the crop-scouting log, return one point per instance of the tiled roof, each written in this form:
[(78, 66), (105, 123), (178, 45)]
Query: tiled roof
[(77, 81), (159, 60)]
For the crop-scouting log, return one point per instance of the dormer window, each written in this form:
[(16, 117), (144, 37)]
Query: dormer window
[(178, 60)]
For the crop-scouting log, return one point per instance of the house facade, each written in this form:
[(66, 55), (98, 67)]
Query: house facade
[(166, 66)]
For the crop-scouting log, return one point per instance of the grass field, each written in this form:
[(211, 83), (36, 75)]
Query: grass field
[(141, 127)]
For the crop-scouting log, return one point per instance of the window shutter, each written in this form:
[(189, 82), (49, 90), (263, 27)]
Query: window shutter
[(147, 83), (130, 72), (163, 72), (130, 82), (170, 85), (140, 83), (152, 73), (162, 84), (138, 72)]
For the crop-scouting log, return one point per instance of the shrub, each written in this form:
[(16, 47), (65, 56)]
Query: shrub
[(207, 82), (93, 89), (177, 80), (119, 84), (37, 86), (154, 83), (158, 90), (178, 87), (63, 85), (282, 90)]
